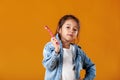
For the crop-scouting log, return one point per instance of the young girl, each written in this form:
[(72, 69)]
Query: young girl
[(63, 59)]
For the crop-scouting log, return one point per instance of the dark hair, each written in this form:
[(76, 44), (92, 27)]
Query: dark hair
[(67, 17)]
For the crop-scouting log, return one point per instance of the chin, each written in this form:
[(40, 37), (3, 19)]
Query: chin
[(69, 40)]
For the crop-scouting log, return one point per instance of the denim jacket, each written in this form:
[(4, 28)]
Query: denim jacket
[(53, 62)]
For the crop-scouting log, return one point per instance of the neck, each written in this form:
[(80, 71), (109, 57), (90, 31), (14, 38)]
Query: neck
[(66, 44)]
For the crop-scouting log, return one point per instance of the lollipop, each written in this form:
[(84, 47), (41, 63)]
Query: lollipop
[(50, 32)]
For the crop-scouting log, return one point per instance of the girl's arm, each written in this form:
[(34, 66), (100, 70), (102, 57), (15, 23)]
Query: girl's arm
[(50, 57), (51, 54), (89, 67)]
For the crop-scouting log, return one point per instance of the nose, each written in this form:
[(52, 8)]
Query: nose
[(71, 30)]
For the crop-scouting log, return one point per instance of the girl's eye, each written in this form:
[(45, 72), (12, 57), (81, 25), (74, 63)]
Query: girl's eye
[(75, 29), (67, 27)]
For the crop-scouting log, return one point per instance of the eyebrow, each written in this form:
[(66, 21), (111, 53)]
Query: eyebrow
[(74, 26), (68, 24)]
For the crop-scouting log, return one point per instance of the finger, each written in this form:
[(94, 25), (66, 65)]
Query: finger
[(54, 40), (57, 42)]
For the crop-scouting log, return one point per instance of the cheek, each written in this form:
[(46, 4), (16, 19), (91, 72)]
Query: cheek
[(76, 34), (75, 37)]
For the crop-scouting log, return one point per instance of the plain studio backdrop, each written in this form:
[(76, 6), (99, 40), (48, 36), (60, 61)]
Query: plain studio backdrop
[(22, 36)]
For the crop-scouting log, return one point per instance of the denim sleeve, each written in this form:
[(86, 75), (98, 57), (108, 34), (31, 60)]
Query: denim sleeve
[(89, 67), (50, 57)]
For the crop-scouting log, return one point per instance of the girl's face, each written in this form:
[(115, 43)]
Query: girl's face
[(69, 30)]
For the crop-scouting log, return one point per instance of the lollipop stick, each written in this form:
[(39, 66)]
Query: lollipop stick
[(50, 32)]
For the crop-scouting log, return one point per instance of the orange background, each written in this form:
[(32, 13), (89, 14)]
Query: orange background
[(22, 36)]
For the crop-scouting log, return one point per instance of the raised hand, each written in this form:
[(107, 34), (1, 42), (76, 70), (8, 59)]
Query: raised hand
[(56, 44), (53, 40)]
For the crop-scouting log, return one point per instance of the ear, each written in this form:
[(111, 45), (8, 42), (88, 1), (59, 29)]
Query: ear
[(59, 31)]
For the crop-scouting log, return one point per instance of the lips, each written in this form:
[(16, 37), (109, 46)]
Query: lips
[(70, 35)]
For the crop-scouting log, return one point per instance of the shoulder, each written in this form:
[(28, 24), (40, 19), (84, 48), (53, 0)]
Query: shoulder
[(78, 49), (76, 46), (79, 46)]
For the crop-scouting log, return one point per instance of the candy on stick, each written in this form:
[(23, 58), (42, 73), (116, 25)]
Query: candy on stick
[(50, 32)]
